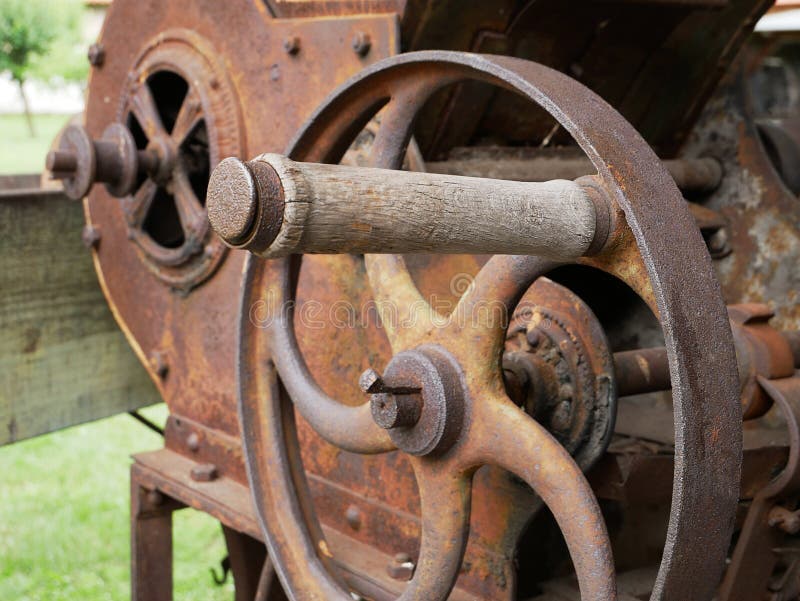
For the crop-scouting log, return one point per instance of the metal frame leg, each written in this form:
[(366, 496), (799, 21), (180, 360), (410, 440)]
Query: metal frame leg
[(151, 543)]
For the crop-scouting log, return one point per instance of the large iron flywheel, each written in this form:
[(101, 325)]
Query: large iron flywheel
[(441, 398)]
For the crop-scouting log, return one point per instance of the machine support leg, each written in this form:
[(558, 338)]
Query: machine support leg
[(247, 556), (151, 543)]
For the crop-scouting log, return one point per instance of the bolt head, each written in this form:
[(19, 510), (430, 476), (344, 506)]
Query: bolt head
[(96, 55), (291, 44), (370, 381), (534, 337), (560, 419), (204, 472), (158, 361), (401, 568), (193, 442), (361, 43), (90, 236), (353, 517), (155, 498)]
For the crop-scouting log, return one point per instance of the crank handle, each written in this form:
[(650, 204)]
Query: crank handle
[(275, 207)]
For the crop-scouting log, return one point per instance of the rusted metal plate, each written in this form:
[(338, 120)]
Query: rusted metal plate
[(292, 9), (184, 334), (763, 214)]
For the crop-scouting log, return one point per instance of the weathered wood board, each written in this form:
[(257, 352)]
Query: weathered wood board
[(63, 359)]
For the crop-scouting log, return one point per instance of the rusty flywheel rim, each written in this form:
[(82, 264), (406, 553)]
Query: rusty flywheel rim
[(707, 411)]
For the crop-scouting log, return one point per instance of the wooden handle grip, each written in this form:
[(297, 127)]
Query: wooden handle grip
[(275, 207)]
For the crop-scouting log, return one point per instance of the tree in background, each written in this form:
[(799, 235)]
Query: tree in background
[(40, 38)]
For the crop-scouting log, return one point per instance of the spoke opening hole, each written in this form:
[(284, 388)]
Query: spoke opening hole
[(196, 158), (169, 90), (162, 223)]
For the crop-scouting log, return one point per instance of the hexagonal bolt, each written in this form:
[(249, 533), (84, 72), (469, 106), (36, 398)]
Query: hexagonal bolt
[(534, 337), (204, 472), (401, 567), (96, 55), (291, 44), (371, 382), (353, 517), (158, 361), (155, 498), (90, 236), (193, 442), (560, 419), (361, 43)]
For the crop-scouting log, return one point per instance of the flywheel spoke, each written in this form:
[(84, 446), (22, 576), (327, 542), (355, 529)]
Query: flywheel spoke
[(189, 115), (445, 499), (141, 202), (191, 214), (144, 108), (503, 435), (350, 428)]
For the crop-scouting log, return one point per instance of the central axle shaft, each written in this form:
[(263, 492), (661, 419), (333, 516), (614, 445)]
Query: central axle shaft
[(274, 207)]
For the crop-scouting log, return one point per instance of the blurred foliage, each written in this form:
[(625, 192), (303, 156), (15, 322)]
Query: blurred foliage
[(42, 39)]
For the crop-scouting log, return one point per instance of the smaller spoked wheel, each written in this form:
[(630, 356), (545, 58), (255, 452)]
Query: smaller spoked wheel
[(174, 108), (441, 398)]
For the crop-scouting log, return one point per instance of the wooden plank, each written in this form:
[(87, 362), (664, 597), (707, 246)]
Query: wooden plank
[(63, 359)]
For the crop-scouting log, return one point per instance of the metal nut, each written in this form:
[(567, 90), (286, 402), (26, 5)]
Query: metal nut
[(534, 337), (204, 472), (361, 43), (158, 362), (90, 236), (560, 420), (155, 498), (291, 44), (353, 517), (193, 442), (371, 382), (96, 55), (401, 568)]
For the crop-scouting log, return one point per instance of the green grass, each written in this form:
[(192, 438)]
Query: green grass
[(21, 153), (64, 511)]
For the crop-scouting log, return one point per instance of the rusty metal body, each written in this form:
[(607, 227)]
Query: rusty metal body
[(193, 82)]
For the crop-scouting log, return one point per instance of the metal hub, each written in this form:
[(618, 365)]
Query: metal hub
[(420, 400), (558, 366)]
